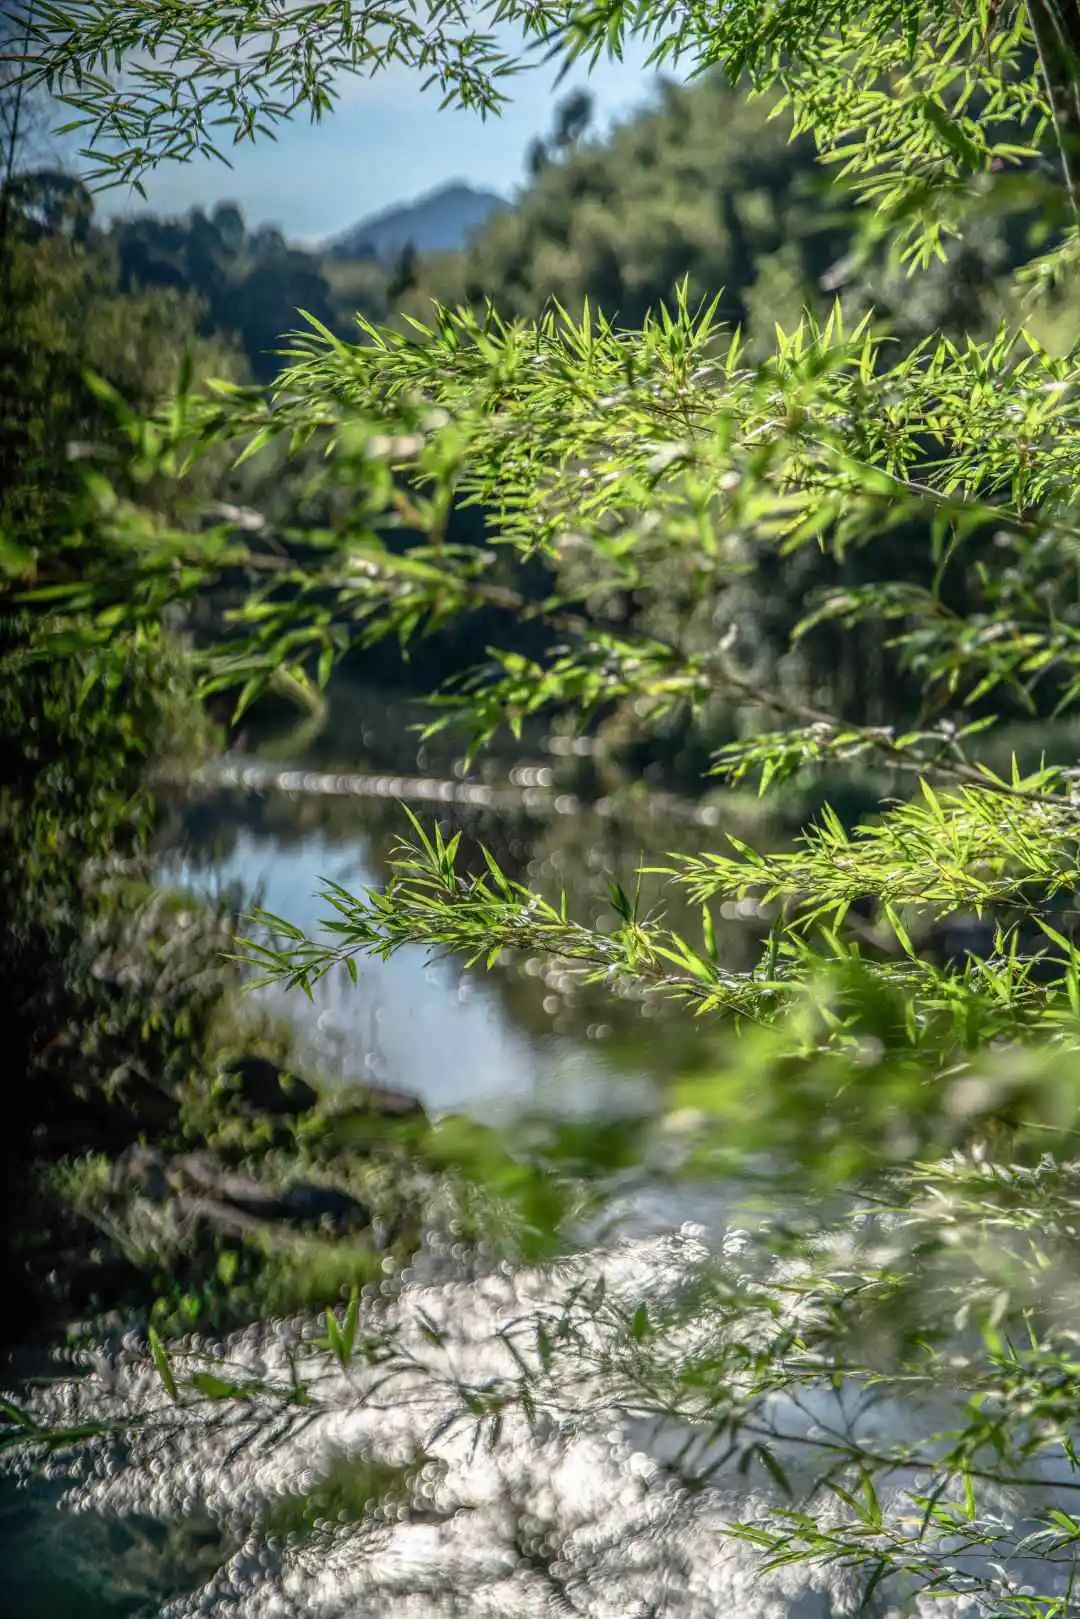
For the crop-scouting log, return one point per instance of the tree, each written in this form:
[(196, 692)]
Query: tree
[(703, 184), (80, 732), (249, 287), (673, 444), (228, 221), (403, 275), (52, 203), (572, 118)]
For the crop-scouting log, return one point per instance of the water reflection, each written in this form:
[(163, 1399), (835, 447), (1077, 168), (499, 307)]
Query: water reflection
[(525, 1036)]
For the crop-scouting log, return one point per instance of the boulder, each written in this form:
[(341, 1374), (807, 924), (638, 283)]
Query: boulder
[(266, 1088), (141, 1170), (306, 1201), (214, 1189), (389, 1103)]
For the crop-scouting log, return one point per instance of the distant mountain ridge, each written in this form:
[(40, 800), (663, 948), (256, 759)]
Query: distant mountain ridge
[(439, 222)]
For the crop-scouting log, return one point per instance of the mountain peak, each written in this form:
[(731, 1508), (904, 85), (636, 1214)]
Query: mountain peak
[(441, 221)]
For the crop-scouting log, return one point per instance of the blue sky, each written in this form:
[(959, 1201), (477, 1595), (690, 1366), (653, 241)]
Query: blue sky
[(387, 142)]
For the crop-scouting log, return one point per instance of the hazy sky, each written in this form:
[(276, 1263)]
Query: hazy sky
[(386, 143)]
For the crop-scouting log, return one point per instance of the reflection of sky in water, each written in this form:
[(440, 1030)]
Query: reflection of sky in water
[(423, 1026)]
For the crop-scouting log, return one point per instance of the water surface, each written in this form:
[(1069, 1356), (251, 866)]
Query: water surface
[(574, 1511)]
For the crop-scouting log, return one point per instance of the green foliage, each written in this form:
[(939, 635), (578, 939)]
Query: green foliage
[(249, 283), (107, 987), (934, 1086), (248, 68), (66, 317), (705, 186), (913, 104)]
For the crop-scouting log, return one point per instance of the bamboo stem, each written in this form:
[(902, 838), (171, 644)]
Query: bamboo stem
[(1056, 27)]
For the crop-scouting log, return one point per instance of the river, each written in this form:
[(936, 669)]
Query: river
[(568, 1503)]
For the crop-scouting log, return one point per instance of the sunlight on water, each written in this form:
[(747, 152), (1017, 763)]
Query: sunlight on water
[(477, 1455), (570, 1506)]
